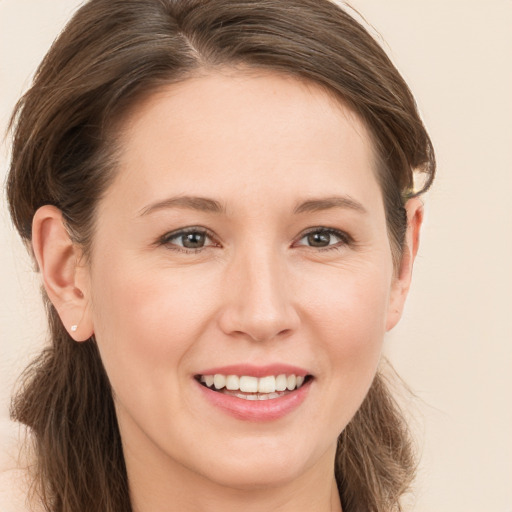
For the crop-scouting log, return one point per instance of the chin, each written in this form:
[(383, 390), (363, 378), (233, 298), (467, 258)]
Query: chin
[(260, 467), (249, 476)]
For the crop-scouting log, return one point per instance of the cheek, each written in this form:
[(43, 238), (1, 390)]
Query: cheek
[(348, 319), (145, 322), (350, 306)]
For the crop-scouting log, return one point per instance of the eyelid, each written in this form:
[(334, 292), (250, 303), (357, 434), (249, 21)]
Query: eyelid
[(345, 238), (167, 238)]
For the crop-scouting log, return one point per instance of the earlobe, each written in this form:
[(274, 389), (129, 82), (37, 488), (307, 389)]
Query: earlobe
[(58, 260), (402, 282)]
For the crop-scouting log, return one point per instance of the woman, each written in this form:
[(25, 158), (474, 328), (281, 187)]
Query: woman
[(220, 199)]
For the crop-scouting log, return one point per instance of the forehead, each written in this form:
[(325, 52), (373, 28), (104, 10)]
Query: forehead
[(245, 135)]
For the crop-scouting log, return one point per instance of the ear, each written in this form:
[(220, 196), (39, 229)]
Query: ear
[(64, 276), (402, 281)]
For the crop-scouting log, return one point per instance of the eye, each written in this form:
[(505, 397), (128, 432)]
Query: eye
[(325, 238), (191, 239)]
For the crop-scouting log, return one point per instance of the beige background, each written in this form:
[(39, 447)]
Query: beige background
[(454, 345)]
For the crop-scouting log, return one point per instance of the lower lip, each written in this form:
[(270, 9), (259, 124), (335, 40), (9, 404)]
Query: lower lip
[(256, 410)]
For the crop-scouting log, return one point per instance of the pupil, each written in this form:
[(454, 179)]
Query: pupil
[(319, 239), (193, 240)]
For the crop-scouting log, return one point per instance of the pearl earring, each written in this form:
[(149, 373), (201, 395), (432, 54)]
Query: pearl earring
[(74, 328)]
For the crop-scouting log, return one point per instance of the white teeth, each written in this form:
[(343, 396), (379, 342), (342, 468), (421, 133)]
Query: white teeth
[(255, 396), (267, 387), (219, 381), (291, 382), (249, 384), (281, 382), (267, 384), (232, 382)]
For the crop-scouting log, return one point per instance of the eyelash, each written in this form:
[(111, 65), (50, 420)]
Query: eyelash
[(167, 239), (345, 238)]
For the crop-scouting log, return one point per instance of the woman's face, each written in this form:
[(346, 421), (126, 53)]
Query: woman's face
[(244, 235)]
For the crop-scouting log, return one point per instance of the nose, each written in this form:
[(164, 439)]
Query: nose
[(258, 303)]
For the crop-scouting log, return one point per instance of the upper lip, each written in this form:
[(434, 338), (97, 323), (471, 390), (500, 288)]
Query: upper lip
[(256, 371)]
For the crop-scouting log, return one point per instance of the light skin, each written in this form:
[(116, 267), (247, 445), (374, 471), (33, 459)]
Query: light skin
[(276, 160)]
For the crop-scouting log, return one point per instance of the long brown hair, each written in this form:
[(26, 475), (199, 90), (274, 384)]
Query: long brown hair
[(111, 54)]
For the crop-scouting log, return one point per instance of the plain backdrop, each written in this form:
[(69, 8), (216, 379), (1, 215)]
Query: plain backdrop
[(454, 344)]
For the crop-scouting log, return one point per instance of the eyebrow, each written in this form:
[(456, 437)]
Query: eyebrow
[(326, 203), (206, 204), (203, 204)]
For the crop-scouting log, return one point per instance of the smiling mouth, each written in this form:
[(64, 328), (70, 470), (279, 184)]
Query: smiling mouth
[(254, 388)]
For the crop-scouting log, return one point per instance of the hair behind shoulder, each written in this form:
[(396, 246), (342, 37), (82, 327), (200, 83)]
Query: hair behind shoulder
[(111, 55)]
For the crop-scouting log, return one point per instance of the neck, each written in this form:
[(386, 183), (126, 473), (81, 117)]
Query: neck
[(169, 485)]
